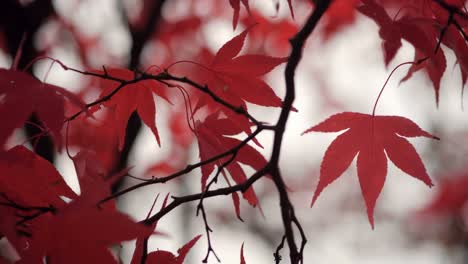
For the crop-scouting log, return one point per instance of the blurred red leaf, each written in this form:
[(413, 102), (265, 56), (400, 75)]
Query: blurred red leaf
[(30, 180), (166, 257), (235, 4), (24, 95), (82, 233), (212, 141)]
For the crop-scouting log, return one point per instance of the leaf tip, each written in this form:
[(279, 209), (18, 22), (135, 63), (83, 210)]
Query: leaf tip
[(314, 199)]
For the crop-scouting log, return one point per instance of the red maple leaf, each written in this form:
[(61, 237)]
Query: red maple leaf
[(81, 233), (30, 180), (237, 80), (166, 257), (373, 139), (24, 95), (235, 4), (133, 97), (340, 13), (212, 140), (141, 241), (421, 32)]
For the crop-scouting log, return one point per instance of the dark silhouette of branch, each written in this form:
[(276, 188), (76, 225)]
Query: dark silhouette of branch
[(187, 169), (451, 8), (139, 40), (287, 209)]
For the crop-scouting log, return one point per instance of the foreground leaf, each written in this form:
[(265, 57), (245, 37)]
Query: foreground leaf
[(24, 95), (166, 257), (373, 139)]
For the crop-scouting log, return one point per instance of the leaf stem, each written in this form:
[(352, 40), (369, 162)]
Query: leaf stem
[(389, 76)]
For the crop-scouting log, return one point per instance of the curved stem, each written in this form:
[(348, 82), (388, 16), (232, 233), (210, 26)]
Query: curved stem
[(389, 76)]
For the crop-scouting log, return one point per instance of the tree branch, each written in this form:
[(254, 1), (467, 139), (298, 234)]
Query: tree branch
[(287, 209)]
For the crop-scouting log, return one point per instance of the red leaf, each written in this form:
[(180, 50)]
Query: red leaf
[(421, 32), (236, 202), (24, 95), (212, 142), (235, 4), (166, 257), (340, 14), (451, 197), (237, 80), (93, 230), (30, 180), (373, 139), (133, 97), (242, 254), (140, 241), (389, 33)]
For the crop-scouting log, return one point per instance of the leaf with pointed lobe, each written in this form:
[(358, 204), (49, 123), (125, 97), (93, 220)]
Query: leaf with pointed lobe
[(133, 97), (82, 233), (23, 95), (372, 139), (236, 202), (166, 257), (238, 79), (270, 36), (212, 142), (341, 13), (96, 134), (421, 32), (30, 180), (455, 41), (242, 259), (388, 31), (235, 4)]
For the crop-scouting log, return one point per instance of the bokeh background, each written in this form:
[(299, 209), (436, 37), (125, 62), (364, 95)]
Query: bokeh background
[(342, 70)]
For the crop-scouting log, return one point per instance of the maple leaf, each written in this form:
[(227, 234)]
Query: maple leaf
[(235, 4), (238, 79), (340, 13), (373, 139), (212, 141), (270, 36), (420, 32), (140, 243), (31, 180), (82, 233), (166, 257), (388, 31), (133, 97), (455, 41), (23, 95), (96, 135)]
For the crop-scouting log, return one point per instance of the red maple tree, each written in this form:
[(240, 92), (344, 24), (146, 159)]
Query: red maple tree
[(210, 96)]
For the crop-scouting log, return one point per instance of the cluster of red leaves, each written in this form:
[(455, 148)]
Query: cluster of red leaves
[(421, 23), (45, 100), (37, 221), (35, 217), (235, 77)]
